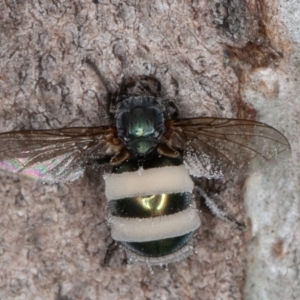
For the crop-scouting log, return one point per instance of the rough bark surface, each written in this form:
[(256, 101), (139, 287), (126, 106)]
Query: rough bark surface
[(53, 237), (272, 199)]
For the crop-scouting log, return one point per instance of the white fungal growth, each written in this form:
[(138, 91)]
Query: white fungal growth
[(171, 179)]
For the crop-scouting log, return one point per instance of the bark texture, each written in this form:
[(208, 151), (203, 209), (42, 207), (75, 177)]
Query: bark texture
[(53, 237)]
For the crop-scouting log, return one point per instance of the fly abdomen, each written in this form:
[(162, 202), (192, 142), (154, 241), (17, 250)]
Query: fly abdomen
[(150, 205), (153, 214)]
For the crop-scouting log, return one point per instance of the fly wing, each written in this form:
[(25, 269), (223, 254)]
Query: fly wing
[(54, 155), (215, 147)]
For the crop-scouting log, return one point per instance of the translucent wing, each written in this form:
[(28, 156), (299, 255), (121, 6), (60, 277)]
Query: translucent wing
[(54, 155), (215, 147)]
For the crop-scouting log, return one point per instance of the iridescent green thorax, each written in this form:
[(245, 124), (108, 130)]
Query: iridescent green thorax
[(140, 124)]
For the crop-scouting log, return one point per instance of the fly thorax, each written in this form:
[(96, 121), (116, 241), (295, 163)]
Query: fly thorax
[(140, 124), (152, 211)]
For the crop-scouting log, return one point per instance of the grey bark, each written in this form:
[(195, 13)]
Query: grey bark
[(53, 237)]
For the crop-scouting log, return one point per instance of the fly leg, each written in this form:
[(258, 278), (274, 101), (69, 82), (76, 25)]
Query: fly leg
[(110, 251), (173, 110), (110, 102), (210, 203)]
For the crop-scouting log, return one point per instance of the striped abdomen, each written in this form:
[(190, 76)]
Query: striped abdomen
[(153, 214)]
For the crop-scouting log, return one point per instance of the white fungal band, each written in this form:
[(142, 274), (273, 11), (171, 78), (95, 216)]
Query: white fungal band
[(151, 229), (167, 180)]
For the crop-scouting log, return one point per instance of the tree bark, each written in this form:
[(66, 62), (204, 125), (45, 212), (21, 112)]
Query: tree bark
[(213, 58)]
